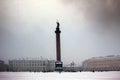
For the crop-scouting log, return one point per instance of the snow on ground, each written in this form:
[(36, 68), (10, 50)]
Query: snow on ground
[(62, 76)]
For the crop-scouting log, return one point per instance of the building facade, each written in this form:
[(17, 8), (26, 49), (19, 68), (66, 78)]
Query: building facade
[(72, 69), (32, 65), (108, 63)]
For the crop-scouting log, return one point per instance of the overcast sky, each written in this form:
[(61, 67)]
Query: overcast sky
[(89, 28)]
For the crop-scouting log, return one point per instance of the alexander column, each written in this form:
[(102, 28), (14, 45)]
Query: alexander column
[(58, 63)]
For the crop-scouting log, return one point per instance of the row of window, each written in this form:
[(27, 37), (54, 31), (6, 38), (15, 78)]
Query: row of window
[(38, 62)]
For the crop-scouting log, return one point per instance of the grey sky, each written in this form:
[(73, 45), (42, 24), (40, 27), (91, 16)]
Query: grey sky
[(89, 28)]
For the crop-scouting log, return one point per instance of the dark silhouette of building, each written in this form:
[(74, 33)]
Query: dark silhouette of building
[(3, 66), (58, 63)]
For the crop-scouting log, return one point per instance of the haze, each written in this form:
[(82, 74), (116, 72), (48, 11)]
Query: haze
[(90, 28)]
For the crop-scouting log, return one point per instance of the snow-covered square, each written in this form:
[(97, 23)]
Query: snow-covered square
[(60, 76)]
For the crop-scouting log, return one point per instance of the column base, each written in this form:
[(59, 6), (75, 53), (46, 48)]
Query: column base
[(59, 66)]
